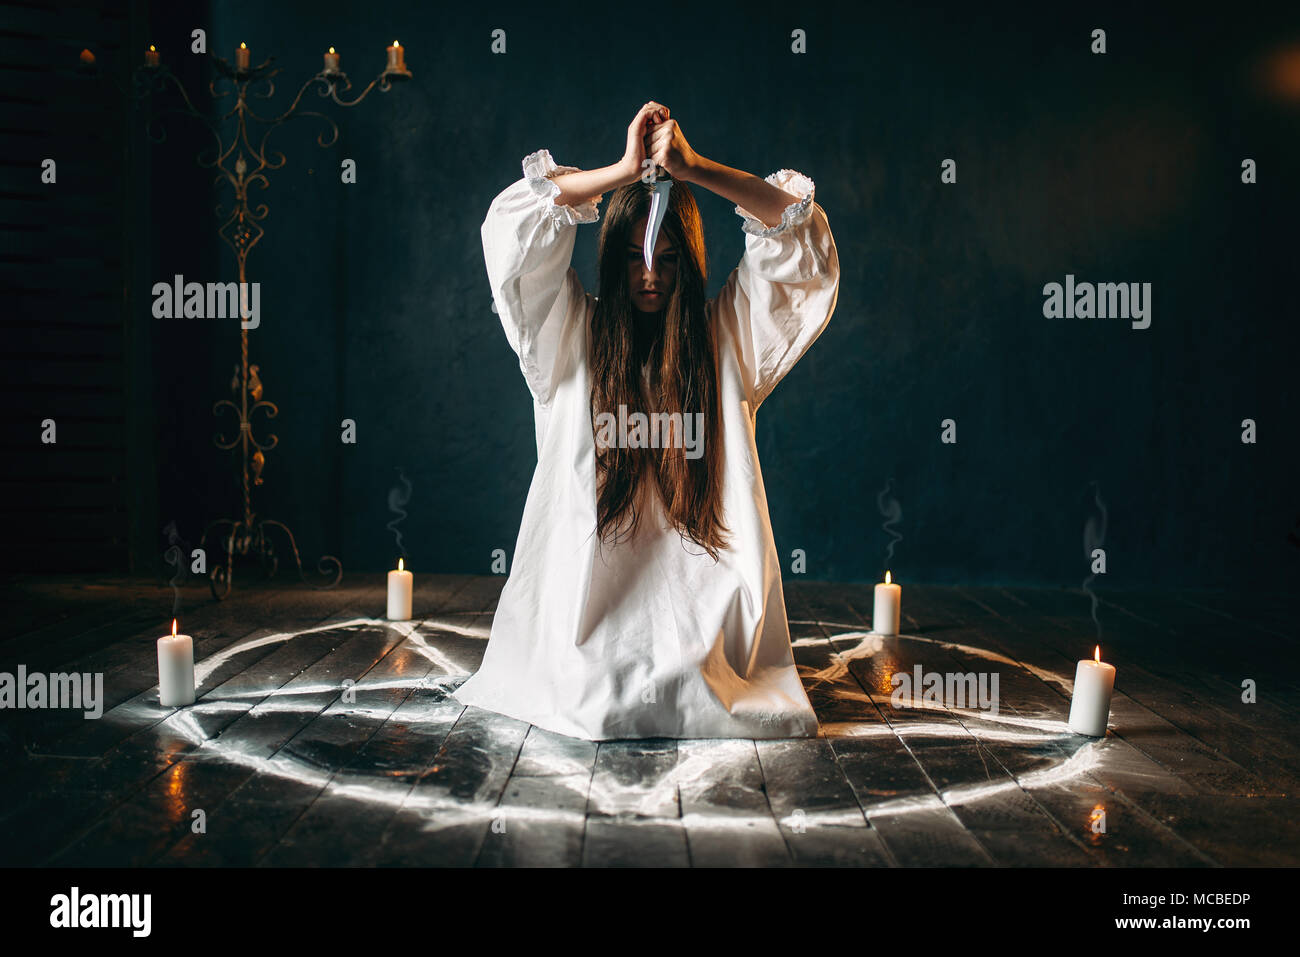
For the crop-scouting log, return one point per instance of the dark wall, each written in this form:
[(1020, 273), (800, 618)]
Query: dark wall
[(1122, 167), (65, 359)]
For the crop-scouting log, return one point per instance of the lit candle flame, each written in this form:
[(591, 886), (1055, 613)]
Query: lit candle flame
[(243, 46), (887, 579), (400, 566), (173, 627), (331, 49), (396, 44), (152, 49), (1096, 655)]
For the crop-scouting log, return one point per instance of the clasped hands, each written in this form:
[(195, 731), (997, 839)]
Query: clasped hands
[(653, 135)]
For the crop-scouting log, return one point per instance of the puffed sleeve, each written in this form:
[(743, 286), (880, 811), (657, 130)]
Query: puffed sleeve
[(528, 245), (781, 296)]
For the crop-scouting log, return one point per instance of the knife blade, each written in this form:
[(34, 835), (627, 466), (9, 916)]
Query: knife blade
[(660, 188)]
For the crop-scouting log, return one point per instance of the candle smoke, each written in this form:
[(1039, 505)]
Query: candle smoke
[(175, 556), (399, 496), (1094, 536), (893, 513)]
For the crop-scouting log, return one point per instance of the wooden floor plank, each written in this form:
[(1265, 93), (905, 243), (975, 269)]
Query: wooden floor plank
[(633, 815), (898, 799), (129, 667), (289, 771), (644, 842), (369, 794), (445, 818), (364, 756), (1071, 800), (246, 744), (543, 810), (1195, 738), (112, 779), (952, 745), (539, 822), (725, 809)]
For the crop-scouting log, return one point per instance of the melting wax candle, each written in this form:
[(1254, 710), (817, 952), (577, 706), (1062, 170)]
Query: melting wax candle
[(396, 58), (1094, 682), (175, 669), (889, 607), (401, 584)]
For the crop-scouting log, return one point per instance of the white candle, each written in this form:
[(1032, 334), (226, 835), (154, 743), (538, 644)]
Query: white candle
[(331, 63), (1094, 681), (889, 607), (175, 669), (400, 586)]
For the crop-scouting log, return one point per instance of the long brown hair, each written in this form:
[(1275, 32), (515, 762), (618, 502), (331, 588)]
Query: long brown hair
[(681, 351)]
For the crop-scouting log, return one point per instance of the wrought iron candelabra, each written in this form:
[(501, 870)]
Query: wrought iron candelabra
[(240, 229)]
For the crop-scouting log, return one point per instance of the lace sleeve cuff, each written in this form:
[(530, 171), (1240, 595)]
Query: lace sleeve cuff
[(796, 213), (539, 167)]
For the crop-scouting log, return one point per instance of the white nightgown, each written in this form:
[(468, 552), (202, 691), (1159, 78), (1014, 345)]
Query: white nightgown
[(651, 638)]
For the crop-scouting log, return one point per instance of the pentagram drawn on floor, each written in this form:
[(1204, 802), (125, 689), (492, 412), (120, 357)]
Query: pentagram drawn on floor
[(444, 808), (324, 735)]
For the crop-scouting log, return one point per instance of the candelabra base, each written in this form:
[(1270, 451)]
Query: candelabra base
[(249, 537)]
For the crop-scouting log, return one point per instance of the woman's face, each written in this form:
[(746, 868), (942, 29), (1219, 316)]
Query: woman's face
[(643, 282)]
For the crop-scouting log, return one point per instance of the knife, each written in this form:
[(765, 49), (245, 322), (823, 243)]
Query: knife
[(660, 187)]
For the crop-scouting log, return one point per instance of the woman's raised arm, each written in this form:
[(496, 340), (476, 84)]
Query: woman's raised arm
[(780, 297), (759, 197), (584, 185), (669, 149)]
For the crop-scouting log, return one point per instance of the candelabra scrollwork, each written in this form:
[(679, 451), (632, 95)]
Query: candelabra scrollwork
[(245, 417), (249, 536), (240, 229)]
